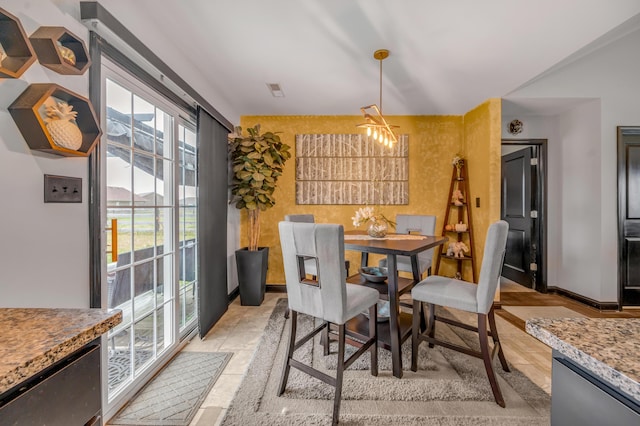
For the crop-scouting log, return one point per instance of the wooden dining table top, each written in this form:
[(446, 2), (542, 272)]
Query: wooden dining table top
[(392, 245)]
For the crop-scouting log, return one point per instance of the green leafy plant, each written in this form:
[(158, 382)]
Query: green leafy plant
[(257, 161)]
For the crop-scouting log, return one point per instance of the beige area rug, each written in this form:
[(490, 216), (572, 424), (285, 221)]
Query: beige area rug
[(527, 312), (449, 388)]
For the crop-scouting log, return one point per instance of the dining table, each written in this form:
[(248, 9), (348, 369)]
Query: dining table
[(391, 333)]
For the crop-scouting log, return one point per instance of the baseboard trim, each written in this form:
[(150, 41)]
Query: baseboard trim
[(234, 293), (276, 288), (602, 306)]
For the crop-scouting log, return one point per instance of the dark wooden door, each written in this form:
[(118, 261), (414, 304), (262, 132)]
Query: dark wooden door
[(516, 210), (629, 215)]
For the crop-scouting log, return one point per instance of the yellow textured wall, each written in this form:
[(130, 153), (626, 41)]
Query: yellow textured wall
[(482, 141), (433, 142)]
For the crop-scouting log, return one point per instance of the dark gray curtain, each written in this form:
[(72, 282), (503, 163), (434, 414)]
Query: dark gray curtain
[(212, 220)]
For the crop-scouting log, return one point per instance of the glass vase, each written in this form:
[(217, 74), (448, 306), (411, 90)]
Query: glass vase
[(377, 228)]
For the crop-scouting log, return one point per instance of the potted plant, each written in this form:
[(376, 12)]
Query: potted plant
[(257, 161)]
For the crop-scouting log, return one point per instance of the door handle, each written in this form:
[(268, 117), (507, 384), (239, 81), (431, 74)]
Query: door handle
[(114, 240)]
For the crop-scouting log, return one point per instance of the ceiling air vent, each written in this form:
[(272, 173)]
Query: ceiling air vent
[(275, 89)]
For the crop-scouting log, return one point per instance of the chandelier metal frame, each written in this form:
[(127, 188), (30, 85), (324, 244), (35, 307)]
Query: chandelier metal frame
[(375, 122)]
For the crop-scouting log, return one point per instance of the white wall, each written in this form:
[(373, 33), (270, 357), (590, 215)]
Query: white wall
[(44, 250), (588, 213), (44, 259)]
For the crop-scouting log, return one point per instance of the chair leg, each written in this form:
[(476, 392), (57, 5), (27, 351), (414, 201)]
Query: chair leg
[(431, 323), (292, 343), (339, 373), (373, 334), (423, 320), (496, 340), (286, 313), (324, 340), (486, 357), (415, 332)]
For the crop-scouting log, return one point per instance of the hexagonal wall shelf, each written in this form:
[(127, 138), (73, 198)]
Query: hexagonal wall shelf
[(49, 44), (15, 44), (26, 112)]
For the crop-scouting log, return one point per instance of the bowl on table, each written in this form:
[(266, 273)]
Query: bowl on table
[(376, 274), (383, 311)]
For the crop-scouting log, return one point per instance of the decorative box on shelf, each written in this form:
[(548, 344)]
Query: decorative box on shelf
[(16, 53), (60, 50), (28, 111)]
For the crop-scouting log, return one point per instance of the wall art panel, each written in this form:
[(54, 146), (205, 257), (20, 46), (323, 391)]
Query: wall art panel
[(351, 169)]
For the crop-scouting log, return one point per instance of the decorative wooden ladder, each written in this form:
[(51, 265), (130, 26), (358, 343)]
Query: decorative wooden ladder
[(459, 181)]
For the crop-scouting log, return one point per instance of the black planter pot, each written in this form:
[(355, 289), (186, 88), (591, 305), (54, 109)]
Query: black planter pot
[(252, 275)]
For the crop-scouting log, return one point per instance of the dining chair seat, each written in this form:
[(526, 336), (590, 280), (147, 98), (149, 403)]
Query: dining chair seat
[(449, 292)]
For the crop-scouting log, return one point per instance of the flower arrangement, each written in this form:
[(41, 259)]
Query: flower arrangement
[(458, 161), (378, 223), (368, 214)]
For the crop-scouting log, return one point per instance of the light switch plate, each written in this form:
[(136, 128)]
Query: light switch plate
[(62, 189)]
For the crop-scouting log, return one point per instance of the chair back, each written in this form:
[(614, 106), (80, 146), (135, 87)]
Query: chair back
[(417, 223), (324, 298), (494, 249), (305, 218)]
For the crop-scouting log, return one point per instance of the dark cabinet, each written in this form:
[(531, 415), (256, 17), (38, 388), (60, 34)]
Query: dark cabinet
[(580, 398), (66, 394)]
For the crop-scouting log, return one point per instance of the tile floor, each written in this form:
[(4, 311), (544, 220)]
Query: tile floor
[(240, 329)]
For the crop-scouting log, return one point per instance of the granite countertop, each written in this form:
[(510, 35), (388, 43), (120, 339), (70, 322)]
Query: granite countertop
[(608, 347), (32, 339)]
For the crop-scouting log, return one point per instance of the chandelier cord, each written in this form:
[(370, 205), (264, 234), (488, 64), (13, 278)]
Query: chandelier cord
[(380, 85)]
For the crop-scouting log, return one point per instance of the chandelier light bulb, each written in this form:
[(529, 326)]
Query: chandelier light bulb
[(375, 134), (368, 131)]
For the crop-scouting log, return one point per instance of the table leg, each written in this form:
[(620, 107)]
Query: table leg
[(394, 313), (364, 259), (414, 268), (417, 277)]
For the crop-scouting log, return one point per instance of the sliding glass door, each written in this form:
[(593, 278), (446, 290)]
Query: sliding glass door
[(187, 227), (150, 194)]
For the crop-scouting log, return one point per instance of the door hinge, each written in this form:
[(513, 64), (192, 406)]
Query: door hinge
[(534, 214), (534, 161), (533, 266)]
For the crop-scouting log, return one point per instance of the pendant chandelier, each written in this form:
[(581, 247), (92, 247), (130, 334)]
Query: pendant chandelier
[(377, 127)]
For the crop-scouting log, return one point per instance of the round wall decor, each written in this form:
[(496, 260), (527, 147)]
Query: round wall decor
[(515, 127)]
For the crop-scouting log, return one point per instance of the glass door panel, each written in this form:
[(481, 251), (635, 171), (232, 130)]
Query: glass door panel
[(140, 253), (187, 227)]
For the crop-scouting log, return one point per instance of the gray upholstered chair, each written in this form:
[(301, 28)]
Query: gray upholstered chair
[(420, 224), (309, 265), (328, 298), (449, 292)]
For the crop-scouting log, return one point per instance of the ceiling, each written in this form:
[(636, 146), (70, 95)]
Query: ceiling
[(445, 56)]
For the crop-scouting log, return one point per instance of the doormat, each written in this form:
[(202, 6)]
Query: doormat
[(173, 397)]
